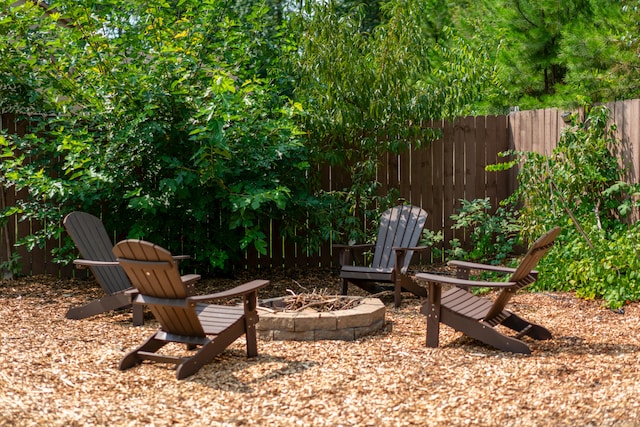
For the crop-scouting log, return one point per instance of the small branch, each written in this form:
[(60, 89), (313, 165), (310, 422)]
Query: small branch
[(573, 218)]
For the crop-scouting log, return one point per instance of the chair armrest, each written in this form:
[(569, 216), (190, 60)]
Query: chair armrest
[(84, 263), (463, 283), (240, 290), (465, 265), (477, 266), (400, 254), (345, 252), (189, 279)]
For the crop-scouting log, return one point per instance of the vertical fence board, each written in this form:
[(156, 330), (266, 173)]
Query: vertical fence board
[(548, 130), (628, 132), (6, 199), (421, 184), (474, 160), (277, 255), (526, 142), (491, 156), (405, 183), (437, 183), (447, 200), (482, 141), (536, 132), (501, 144), (632, 121), (458, 172)]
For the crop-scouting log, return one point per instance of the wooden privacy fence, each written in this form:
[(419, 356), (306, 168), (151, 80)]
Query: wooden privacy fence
[(539, 131), (436, 177)]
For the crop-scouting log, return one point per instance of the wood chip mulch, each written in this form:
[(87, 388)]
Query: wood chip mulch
[(59, 372)]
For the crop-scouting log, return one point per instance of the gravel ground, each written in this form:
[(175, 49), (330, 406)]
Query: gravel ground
[(59, 372)]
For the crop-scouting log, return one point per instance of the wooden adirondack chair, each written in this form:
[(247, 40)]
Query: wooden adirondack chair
[(399, 233), (478, 317), (95, 246), (207, 328)]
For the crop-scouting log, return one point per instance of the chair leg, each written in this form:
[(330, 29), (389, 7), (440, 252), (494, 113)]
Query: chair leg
[(193, 364), (208, 351), (345, 286), (533, 330), (138, 314), (406, 283), (433, 329), (151, 345), (102, 305), (432, 309), (501, 342), (252, 341), (250, 320), (484, 333)]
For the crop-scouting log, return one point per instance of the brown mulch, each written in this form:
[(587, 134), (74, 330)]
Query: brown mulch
[(56, 372)]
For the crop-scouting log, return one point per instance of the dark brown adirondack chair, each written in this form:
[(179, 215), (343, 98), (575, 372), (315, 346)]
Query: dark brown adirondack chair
[(398, 236), (95, 246), (206, 329), (478, 317)]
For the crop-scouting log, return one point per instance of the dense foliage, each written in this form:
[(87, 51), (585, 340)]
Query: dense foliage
[(165, 118), (555, 54), (581, 187), (368, 90), (194, 124), (494, 234)]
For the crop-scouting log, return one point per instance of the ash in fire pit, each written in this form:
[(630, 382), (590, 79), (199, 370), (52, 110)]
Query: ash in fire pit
[(318, 316)]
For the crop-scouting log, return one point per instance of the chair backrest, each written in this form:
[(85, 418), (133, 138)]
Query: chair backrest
[(93, 242), (522, 276), (535, 253), (400, 226), (154, 273)]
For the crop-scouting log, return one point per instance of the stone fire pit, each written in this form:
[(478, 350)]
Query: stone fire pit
[(365, 317)]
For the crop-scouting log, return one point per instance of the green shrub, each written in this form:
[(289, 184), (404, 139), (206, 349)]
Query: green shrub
[(610, 270), (492, 236), (580, 187)]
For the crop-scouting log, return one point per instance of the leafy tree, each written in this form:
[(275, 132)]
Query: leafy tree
[(368, 92), (531, 37), (169, 118), (554, 54), (601, 53)]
